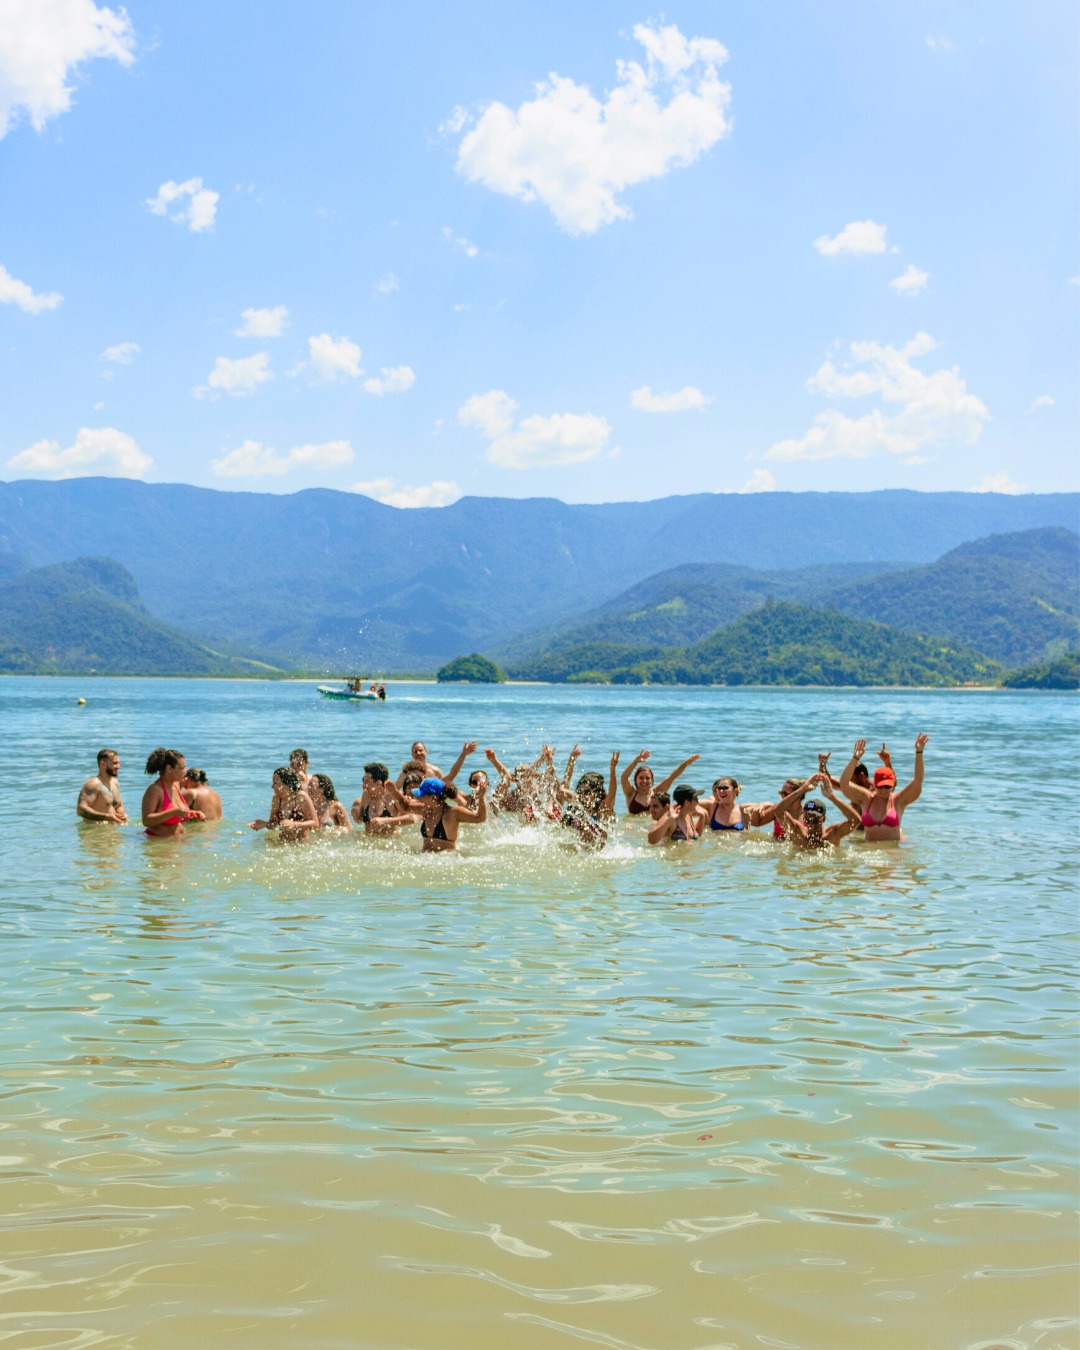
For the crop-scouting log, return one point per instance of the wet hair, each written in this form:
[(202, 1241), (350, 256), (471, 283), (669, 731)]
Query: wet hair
[(643, 768), (684, 793), (197, 776), (790, 784), (860, 768), (449, 792), (591, 784), (301, 755), (162, 759), (289, 777), (411, 780), (736, 786), (104, 754), (660, 799), (414, 766), (326, 786), (476, 773), (377, 771)]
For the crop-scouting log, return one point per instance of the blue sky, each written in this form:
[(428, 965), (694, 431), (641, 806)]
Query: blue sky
[(591, 252)]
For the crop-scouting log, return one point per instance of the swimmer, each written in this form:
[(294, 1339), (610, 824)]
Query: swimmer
[(588, 809), (298, 762), (325, 801), (418, 757), (532, 790), (725, 811), (199, 795), (466, 750), (683, 820), (637, 781), (163, 807), (292, 812), (441, 813), (380, 805), (99, 797), (860, 776), (790, 804), (882, 807), (811, 832)]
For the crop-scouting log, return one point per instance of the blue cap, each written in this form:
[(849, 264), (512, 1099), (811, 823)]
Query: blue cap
[(430, 787), (813, 807)]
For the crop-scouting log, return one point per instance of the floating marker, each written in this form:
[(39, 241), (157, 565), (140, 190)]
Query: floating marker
[(82, 703)]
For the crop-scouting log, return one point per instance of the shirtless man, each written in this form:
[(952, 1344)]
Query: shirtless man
[(100, 796)]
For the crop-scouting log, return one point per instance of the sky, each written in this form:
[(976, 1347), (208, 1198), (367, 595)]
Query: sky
[(593, 252)]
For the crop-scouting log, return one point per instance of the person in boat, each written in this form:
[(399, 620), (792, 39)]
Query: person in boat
[(164, 809), (381, 806), (298, 762), (637, 781), (99, 796), (199, 795), (882, 807), (355, 686), (726, 814), (325, 801), (381, 692), (684, 819), (292, 812), (810, 833), (441, 813), (589, 810)]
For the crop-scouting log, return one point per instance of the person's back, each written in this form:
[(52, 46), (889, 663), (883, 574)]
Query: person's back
[(199, 795)]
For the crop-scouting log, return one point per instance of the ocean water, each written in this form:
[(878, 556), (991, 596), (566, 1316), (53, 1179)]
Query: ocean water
[(672, 1099)]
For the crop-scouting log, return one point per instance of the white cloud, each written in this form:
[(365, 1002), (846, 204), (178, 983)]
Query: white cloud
[(239, 377), (387, 284), (646, 401), (999, 482), (457, 121), (13, 292), (761, 480), (936, 43), (535, 442), (122, 354), (392, 380), (470, 250), (263, 323), (439, 493), (576, 154), (1042, 401), (193, 205), (860, 236), (100, 451), (1074, 281), (252, 459), (911, 281), (331, 359), (932, 409), (42, 42)]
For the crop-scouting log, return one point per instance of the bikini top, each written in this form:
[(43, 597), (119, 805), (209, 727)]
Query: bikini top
[(439, 832), (678, 833), (713, 825), (365, 814), (891, 818), (636, 809)]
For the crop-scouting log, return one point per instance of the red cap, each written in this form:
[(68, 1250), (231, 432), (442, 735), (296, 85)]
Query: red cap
[(884, 777)]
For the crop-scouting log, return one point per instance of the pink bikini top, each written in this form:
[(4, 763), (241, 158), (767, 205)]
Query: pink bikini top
[(891, 818)]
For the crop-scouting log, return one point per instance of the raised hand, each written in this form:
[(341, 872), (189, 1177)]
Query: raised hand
[(614, 760), (491, 755), (823, 762), (920, 742), (576, 752), (884, 756), (692, 759), (860, 749), (642, 756), (469, 747)]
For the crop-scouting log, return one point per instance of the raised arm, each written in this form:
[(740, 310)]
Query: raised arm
[(575, 755), (609, 800), (473, 817), (627, 776), (913, 791), (466, 750), (847, 787), (665, 783), (851, 816), (497, 764)]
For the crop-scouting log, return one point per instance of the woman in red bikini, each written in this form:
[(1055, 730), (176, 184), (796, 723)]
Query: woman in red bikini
[(164, 809), (883, 807)]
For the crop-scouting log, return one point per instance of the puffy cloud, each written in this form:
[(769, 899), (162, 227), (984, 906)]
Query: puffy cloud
[(387, 284), (439, 493), (458, 241), (911, 281), (1041, 401), (761, 480), (936, 43), (861, 236), (576, 154), (191, 204), (41, 44), (330, 359), (101, 451), (932, 409), (999, 482), (535, 442), (391, 380), (13, 292), (263, 323), (236, 377), (646, 401), (122, 354), (252, 459)]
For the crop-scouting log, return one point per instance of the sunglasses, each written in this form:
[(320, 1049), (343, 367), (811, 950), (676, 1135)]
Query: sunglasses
[(724, 787)]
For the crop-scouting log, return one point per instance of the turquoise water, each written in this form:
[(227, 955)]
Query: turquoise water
[(349, 1095)]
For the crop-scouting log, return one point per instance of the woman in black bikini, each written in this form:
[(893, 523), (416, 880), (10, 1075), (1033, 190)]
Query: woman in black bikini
[(380, 805), (324, 799), (441, 813), (684, 819), (292, 812), (637, 781)]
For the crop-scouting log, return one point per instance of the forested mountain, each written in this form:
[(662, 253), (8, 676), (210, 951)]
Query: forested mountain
[(411, 589), (86, 616)]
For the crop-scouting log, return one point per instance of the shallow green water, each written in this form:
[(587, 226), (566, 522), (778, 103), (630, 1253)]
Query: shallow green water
[(656, 1100)]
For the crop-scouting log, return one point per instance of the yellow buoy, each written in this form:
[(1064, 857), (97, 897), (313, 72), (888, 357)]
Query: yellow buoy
[(82, 703)]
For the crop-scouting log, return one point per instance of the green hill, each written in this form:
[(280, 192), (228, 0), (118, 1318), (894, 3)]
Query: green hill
[(1064, 673), (86, 617), (780, 643), (1014, 596)]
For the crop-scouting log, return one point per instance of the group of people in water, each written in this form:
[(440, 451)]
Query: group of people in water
[(868, 802)]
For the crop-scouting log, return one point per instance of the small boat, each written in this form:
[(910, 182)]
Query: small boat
[(348, 695)]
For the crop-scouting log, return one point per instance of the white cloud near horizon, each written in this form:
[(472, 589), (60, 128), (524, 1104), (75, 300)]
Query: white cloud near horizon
[(237, 377), (42, 44), (391, 380), (931, 410), (187, 203), (678, 401), (1042, 401), (858, 237), (408, 497), (535, 442), (122, 354), (576, 154), (458, 241), (999, 482), (911, 281), (15, 292), (97, 451), (331, 359), (263, 323), (252, 459), (761, 480)]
